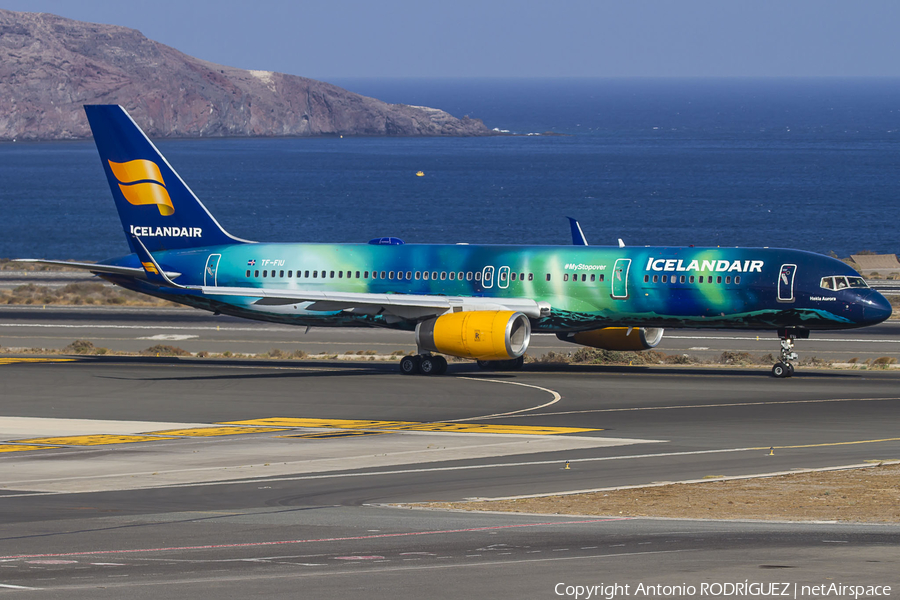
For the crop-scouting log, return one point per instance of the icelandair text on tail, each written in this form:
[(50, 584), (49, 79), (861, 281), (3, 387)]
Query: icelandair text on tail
[(746, 588), (167, 231)]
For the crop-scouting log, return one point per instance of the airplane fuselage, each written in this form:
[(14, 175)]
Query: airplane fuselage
[(586, 287)]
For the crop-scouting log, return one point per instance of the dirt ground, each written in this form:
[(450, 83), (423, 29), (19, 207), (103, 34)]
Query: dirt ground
[(870, 494)]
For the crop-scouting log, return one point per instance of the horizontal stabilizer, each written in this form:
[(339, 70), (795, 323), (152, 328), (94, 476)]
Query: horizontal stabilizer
[(94, 267)]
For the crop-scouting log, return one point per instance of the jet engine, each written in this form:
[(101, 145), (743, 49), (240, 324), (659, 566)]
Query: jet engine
[(616, 338), (479, 334)]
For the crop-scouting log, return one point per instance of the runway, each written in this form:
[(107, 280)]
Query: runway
[(210, 508), (135, 329)]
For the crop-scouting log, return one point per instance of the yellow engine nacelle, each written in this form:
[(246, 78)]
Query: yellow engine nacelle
[(616, 338), (479, 334)]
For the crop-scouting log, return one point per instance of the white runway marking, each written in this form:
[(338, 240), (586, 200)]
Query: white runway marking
[(556, 398)]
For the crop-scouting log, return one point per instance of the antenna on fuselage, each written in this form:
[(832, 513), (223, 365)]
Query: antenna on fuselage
[(621, 243)]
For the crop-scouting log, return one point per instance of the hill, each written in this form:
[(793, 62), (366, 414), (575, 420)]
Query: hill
[(51, 66)]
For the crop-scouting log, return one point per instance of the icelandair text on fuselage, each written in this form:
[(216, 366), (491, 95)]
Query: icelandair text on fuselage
[(719, 266), (167, 231), (609, 591)]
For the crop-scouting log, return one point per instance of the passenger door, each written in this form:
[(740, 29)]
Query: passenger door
[(620, 278), (210, 273), (786, 283)]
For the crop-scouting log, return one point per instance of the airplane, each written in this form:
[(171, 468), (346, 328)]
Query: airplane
[(480, 302)]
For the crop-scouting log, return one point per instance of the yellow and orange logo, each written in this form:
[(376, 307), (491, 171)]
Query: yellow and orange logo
[(150, 268), (142, 183)]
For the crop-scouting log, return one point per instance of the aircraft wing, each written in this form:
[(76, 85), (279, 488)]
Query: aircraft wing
[(404, 306), (94, 267)]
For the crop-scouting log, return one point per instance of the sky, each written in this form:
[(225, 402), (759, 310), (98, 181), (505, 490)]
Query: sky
[(520, 38)]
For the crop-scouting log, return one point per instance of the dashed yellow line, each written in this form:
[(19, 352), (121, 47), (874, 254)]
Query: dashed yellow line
[(412, 426), (334, 434), (214, 431), (13, 360), (94, 440), (23, 447), (830, 444)]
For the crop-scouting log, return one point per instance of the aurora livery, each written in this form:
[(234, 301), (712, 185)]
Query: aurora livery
[(470, 301)]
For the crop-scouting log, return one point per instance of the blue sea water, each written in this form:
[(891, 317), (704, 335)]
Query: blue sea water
[(810, 164)]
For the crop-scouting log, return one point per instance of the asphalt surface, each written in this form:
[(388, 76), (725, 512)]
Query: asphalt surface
[(270, 513)]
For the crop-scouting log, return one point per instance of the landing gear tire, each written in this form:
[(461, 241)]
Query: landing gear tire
[(487, 365), (790, 370), (430, 365), (781, 370), (409, 365), (441, 364)]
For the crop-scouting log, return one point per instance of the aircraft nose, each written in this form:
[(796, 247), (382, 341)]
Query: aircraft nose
[(876, 308)]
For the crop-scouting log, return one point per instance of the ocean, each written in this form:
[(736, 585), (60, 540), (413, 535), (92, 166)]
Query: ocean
[(809, 164)]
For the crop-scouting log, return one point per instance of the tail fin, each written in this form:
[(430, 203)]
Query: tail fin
[(153, 201)]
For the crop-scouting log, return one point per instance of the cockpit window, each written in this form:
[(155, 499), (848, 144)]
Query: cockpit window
[(842, 283)]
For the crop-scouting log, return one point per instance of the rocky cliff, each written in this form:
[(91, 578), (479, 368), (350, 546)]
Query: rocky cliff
[(51, 66)]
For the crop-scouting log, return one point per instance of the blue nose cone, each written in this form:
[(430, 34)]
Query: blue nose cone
[(876, 308)]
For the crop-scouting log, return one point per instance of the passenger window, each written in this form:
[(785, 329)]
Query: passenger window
[(701, 279), (266, 273), (452, 275), (408, 275), (418, 275), (469, 276), (434, 274), (248, 272), (340, 274), (365, 274), (391, 275), (602, 277), (443, 275), (728, 280), (306, 274), (593, 277), (530, 276), (521, 276), (331, 274), (513, 276), (357, 274), (477, 275), (425, 275), (548, 276), (290, 274), (565, 277), (681, 279), (315, 274), (719, 279), (584, 277), (459, 275), (374, 274), (737, 279), (656, 279), (382, 274), (502, 275), (691, 279), (665, 279), (281, 273)]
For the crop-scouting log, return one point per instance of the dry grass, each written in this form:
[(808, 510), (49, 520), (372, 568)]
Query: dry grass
[(860, 495), (89, 293)]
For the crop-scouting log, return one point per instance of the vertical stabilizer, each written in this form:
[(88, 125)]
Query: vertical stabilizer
[(153, 201)]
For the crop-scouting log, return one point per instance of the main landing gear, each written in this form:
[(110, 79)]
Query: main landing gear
[(423, 364), (784, 368)]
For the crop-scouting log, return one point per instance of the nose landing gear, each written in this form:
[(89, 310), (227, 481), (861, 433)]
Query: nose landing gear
[(784, 368)]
